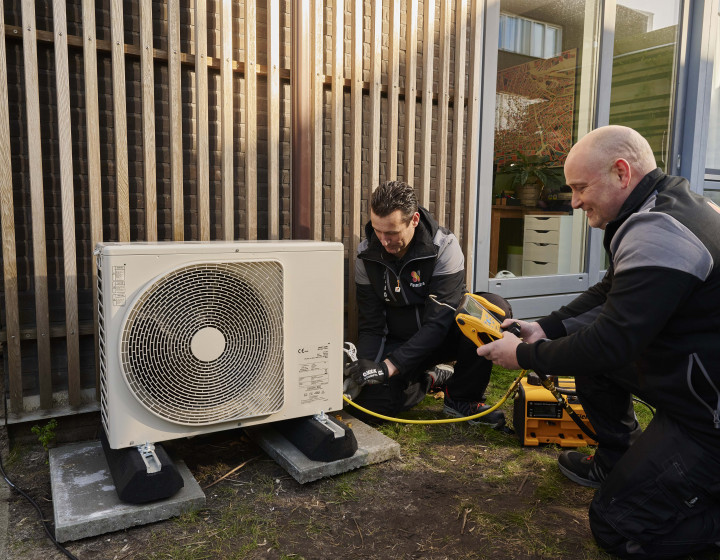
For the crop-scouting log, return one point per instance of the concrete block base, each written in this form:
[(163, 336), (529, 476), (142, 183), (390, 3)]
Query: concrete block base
[(373, 447), (86, 503)]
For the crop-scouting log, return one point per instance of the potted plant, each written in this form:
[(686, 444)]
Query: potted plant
[(531, 174)]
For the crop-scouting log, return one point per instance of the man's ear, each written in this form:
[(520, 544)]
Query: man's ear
[(623, 171), (415, 220)]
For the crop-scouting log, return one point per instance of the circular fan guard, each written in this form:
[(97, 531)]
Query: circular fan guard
[(240, 305)]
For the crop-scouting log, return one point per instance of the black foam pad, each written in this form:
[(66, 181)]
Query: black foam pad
[(133, 483), (316, 441)]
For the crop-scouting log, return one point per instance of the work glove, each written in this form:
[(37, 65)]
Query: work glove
[(350, 389), (367, 372)]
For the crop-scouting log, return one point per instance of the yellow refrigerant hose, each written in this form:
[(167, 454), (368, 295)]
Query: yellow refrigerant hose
[(513, 387)]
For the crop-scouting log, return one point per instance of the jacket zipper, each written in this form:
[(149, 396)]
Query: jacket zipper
[(694, 358), (388, 270)]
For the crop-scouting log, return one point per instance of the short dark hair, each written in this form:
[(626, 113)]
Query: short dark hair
[(394, 195)]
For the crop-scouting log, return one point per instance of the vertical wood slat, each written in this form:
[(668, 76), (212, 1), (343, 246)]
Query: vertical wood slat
[(226, 119), (175, 101), (336, 118), (410, 88), (356, 86), (148, 119), (251, 120), (37, 203), (62, 78), (393, 89), (427, 103), (273, 84), (201, 120), (458, 116), (443, 101), (92, 127), (317, 88), (117, 34), (473, 139), (375, 72), (7, 223)]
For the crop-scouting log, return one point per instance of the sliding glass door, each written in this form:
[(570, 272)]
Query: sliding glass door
[(545, 100), (560, 69)]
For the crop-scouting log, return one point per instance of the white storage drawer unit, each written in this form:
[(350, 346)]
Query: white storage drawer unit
[(546, 244)]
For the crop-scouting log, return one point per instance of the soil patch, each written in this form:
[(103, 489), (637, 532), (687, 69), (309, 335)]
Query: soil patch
[(457, 492)]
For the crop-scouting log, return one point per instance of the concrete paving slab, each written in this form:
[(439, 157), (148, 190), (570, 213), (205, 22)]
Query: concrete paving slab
[(373, 447), (86, 503)]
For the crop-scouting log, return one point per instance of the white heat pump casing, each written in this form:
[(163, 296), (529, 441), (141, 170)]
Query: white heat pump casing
[(198, 337)]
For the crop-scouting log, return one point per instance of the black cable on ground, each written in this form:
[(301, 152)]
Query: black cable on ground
[(650, 408), (60, 547)]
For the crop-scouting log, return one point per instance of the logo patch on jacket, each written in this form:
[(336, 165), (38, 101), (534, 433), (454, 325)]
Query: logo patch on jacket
[(416, 282)]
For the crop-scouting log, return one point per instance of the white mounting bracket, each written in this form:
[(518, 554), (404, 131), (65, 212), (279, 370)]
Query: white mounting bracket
[(152, 463)]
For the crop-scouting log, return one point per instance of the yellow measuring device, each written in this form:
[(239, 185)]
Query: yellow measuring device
[(479, 320)]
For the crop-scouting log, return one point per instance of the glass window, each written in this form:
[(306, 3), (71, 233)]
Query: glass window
[(545, 100), (552, 35), (642, 92), (643, 77), (712, 158), (525, 36), (714, 195)]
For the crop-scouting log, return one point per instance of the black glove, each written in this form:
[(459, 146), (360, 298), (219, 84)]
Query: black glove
[(350, 388), (367, 372)]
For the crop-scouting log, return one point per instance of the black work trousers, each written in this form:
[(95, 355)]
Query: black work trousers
[(403, 391), (662, 496)]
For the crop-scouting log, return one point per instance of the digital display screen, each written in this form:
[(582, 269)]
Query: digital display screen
[(544, 410), (469, 306)]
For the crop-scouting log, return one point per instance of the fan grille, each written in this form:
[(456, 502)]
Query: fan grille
[(204, 343)]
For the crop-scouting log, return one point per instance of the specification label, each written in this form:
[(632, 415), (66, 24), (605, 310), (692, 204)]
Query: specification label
[(314, 376)]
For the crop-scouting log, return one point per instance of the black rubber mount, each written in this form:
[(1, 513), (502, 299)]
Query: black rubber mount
[(133, 483)]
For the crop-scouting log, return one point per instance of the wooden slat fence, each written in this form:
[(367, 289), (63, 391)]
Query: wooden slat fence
[(170, 120)]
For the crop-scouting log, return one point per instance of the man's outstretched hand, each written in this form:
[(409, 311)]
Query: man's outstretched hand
[(367, 372)]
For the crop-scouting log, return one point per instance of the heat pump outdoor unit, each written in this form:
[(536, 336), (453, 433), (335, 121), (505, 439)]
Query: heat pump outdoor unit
[(201, 337)]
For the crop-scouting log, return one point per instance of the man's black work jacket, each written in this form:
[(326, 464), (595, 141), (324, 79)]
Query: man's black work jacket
[(658, 307), (393, 294)]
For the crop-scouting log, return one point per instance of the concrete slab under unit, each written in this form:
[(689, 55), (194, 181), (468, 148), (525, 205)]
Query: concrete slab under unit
[(86, 503), (373, 447)]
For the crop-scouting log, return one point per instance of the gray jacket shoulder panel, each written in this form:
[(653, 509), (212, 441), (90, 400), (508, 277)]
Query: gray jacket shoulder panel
[(656, 239), (450, 257), (361, 276)]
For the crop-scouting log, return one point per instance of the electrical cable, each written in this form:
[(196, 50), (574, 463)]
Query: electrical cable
[(513, 387), (650, 408), (60, 547), (547, 383), (563, 402), (573, 393)]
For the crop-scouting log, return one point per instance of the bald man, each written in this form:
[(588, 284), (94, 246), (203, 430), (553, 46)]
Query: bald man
[(650, 328)]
